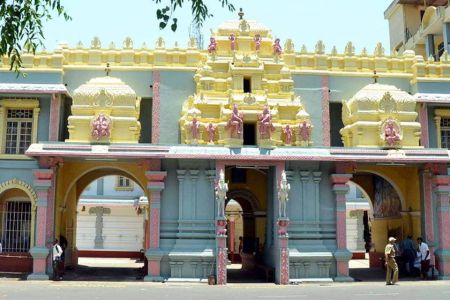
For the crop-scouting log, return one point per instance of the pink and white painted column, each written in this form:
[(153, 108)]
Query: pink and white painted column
[(442, 191), (428, 211), (153, 254), (283, 187), (342, 255), (40, 251), (221, 250)]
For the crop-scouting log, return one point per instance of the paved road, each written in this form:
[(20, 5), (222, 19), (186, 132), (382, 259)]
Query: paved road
[(24, 290)]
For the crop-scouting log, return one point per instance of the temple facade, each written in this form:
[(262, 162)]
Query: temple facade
[(280, 131)]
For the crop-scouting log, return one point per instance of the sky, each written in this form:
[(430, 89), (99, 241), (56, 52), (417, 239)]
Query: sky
[(335, 22)]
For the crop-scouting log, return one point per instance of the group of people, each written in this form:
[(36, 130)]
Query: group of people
[(413, 258)]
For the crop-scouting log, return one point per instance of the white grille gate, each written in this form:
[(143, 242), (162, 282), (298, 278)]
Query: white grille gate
[(15, 225)]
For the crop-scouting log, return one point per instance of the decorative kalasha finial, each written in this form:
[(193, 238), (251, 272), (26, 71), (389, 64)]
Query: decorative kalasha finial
[(101, 126), (375, 76), (283, 195), (276, 47), (212, 48), (232, 39), (265, 124), (107, 69), (211, 132), (257, 40), (241, 14), (221, 194), (391, 135), (287, 134), (235, 122)]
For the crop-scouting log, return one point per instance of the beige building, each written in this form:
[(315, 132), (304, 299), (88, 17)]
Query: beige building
[(419, 25)]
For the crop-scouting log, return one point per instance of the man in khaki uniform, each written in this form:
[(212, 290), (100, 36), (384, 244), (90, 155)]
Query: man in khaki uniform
[(391, 265)]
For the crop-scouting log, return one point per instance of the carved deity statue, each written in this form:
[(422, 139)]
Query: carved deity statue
[(257, 40), (283, 195), (391, 136), (235, 123), (276, 47), (304, 132), (212, 47), (221, 190), (288, 134), (101, 127), (232, 39), (211, 132), (194, 126), (265, 124)]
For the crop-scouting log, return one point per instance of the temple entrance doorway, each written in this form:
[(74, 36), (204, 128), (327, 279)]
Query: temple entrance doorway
[(374, 210), (246, 211), (103, 227)]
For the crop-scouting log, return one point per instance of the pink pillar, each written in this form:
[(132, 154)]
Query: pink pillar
[(231, 230), (283, 238), (155, 186), (55, 108), (428, 211), (326, 111), (221, 246), (342, 255), (442, 190), (423, 119), (42, 184)]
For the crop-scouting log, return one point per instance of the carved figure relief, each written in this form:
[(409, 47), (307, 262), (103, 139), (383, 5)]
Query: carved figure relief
[(257, 40), (276, 47), (387, 103), (195, 127), (283, 195), (304, 132), (232, 39), (235, 123), (212, 47), (265, 124), (390, 132), (221, 194), (288, 135), (211, 129), (101, 126)]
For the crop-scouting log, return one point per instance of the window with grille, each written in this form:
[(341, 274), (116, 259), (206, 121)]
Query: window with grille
[(445, 133), (19, 130), (15, 217)]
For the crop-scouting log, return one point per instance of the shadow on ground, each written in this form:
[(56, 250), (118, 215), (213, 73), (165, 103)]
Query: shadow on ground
[(89, 273)]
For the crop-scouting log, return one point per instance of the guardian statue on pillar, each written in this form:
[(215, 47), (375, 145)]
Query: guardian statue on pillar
[(232, 39), (283, 195), (257, 40), (221, 194)]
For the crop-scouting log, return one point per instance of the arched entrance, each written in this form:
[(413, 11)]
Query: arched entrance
[(380, 214), (103, 223)]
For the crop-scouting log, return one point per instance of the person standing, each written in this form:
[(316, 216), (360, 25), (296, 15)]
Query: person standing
[(424, 258), (408, 254), (56, 259), (390, 263)]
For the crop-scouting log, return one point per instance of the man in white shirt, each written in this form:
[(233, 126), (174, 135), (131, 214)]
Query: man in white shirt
[(56, 258), (424, 258)]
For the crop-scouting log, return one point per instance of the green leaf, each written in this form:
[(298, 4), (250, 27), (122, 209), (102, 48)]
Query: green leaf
[(162, 25), (174, 27)]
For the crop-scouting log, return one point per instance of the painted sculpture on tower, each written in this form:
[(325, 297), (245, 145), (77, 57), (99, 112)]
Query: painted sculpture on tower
[(235, 123), (304, 133), (101, 127), (212, 47), (195, 129), (265, 124), (276, 47), (288, 135), (221, 194), (211, 130), (391, 132), (257, 40), (232, 39), (283, 195)]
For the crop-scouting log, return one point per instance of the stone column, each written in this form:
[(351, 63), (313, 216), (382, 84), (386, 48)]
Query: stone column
[(40, 251), (446, 35), (153, 254), (442, 190), (342, 255), (429, 46), (428, 211), (283, 238)]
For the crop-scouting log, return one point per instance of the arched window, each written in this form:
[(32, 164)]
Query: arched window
[(15, 222)]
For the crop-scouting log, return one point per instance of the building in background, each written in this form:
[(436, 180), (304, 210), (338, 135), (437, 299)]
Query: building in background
[(280, 130)]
